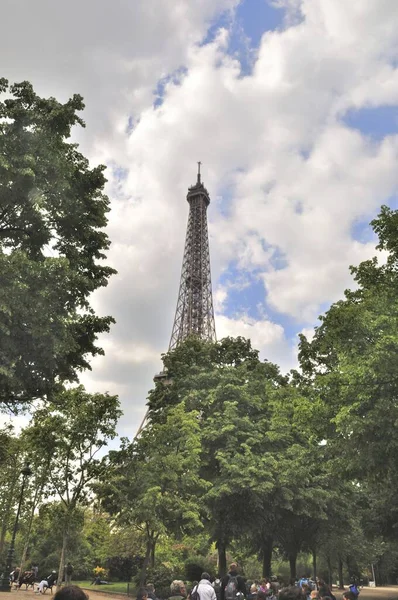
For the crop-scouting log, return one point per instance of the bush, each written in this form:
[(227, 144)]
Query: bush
[(194, 567), (161, 576), (120, 568)]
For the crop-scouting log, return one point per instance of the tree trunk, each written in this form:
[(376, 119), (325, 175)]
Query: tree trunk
[(330, 573), (36, 500), (222, 558), (149, 547), (266, 549), (292, 564), (340, 567), (314, 562), (153, 554), (7, 513), (63, 553)]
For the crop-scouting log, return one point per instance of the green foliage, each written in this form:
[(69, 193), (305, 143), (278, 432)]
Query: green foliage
[(67, 434), (195, 566), (47, 533), (162, 575), (11, 463), (71, 431), (52, 246), (351, 362)]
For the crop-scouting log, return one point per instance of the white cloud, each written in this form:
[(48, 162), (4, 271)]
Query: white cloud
[(266, 336), (273, 145)]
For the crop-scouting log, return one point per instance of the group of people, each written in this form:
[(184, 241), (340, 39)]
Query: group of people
[(31, 578), (234, 587), (319, 590)]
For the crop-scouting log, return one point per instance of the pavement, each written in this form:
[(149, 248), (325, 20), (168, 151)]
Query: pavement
[(367, 593)]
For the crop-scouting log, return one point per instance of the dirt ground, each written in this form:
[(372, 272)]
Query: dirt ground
[(30, 595), (381, 593)]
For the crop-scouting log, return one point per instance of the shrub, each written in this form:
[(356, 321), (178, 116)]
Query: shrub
[(194, 567), (120, 567)]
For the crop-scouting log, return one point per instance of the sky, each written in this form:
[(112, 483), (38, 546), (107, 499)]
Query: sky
[(292, 107)]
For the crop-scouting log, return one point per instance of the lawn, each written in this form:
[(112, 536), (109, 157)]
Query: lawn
[(118, 586)]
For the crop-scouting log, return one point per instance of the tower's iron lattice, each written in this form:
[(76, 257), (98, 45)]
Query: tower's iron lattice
[(194, 314)]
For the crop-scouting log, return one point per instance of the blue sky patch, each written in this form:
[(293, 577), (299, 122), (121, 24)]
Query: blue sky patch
[(255, 17), (362, 232), (375, 122), (245, 298), (252, 18)]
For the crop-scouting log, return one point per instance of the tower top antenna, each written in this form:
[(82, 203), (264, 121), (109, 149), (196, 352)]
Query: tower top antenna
[(199, 163)]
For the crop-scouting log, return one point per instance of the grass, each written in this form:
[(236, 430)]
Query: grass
[(118, 586)]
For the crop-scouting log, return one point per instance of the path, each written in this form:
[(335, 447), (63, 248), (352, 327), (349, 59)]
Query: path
[(30, 595), (381, 593)]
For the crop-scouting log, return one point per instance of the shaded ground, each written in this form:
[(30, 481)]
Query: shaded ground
[(368, 593), (30, 595), (382, 593)]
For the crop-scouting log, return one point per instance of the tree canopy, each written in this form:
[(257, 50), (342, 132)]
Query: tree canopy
[(52, 246)]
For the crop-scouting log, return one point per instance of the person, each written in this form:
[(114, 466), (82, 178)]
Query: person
[(178, 590), (354, 589), (349, 596), (232, 585), (14, 576), (99, 581), (253, 591), (305, 588), (217, 587), (48, 582), (265, 585), (314, 595), (268, 595), (142, 594), (325, 590), (150, 588), (204, 588), (68, 573), (71, 592), (292, 592)]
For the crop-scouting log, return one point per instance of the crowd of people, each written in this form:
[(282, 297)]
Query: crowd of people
[(233, 583), (234, 587), (231, 587)]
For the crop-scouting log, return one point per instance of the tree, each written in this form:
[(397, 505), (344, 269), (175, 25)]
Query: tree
[(255, 437), (351, 363), (153, 484), (52, 246), (71, 431), (11, 463)]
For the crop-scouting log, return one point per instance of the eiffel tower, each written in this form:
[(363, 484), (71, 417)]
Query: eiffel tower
[(194, 313)]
